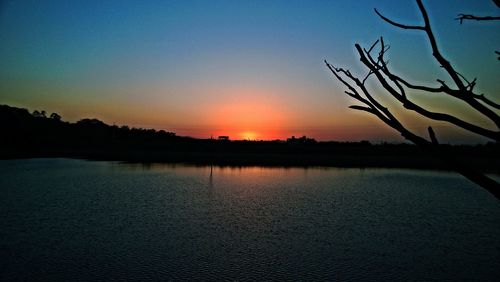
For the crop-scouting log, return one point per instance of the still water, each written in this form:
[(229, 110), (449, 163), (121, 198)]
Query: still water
[(75, 220)]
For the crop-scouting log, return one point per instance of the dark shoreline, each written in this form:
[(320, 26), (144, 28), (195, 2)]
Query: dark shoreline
[(242, 159), (26, 135)]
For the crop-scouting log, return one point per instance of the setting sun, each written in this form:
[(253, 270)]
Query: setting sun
[(250, 114), (249, 135)]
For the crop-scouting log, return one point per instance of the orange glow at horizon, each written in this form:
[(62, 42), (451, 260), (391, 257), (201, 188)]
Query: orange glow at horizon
[(249, 135), (249, 115)]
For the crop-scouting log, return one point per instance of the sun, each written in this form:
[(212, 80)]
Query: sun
[(249, 135)]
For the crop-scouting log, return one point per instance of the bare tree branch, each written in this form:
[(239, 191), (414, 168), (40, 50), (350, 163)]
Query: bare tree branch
[(467, 95), (369, 62), (464, 91), (432, 135), (388, 118), (487, 101), (403, 26), (373, 106), (395, 86), (362, 108), (462, 17), (435, 50), (371, 47), (367, 76), (443, 89)]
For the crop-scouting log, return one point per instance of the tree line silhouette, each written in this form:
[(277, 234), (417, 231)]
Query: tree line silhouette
[(37, 134)]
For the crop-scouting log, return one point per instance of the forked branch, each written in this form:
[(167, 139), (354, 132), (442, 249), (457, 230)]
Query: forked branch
[(372, 106), (384, 76), (463, 89)]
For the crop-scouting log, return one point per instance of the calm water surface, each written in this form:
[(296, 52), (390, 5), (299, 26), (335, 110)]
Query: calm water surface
[(74, 220)]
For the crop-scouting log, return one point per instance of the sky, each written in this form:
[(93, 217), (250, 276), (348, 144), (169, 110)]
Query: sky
[(246, 69)]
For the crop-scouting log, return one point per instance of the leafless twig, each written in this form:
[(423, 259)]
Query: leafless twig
[(462, 17), (462, 89)]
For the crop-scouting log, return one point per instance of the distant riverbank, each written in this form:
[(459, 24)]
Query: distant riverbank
[(420, 161), (37, 135)]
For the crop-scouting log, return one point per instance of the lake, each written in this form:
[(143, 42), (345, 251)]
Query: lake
[(76, 220)]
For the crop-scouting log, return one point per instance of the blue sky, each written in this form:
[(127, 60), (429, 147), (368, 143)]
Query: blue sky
[(180, 65)]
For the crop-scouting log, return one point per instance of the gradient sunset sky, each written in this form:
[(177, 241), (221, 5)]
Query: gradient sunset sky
[(247, 69)]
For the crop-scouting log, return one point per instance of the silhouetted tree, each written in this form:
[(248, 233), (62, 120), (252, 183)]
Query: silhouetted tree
[(39, 114), (374, 59), (93, 122), (55, 116), (36, 113)]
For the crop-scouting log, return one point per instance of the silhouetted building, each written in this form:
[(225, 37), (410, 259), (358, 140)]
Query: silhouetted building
[(223, 138), (300, 140)]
